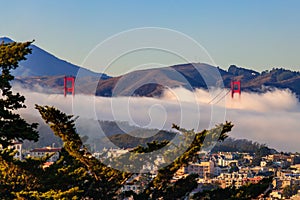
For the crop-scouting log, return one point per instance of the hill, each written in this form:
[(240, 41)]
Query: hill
[(143, 136), (47, 71), (87, 128), (129, 141), (267, 80), (42, 63), (241, 145), (152, 82)]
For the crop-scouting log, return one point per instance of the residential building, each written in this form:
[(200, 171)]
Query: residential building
[(41, 152), (16, 146), (203, 169), (229, 179)]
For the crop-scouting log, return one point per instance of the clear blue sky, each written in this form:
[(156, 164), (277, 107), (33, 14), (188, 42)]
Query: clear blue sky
[(256, 34)]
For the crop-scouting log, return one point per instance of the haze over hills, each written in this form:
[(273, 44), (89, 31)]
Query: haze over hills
[(194, 76), (152, 82), (43, 69)]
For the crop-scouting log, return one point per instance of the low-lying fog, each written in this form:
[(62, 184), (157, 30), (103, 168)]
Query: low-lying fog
[(272, 118)]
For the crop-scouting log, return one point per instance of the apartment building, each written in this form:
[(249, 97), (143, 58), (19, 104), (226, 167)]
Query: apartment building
[(203, 169)]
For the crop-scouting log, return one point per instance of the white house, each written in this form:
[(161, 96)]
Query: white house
[(41, 152), (17, 146)]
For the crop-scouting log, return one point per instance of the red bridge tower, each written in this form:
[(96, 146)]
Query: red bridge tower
[(69, 89), (235, 87)]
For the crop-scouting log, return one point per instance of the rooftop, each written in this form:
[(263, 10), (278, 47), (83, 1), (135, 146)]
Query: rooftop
[(46, 149)]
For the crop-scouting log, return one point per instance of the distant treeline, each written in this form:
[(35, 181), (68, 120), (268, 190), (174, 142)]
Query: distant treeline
[(115, 136), (241, 145), (139, 137)]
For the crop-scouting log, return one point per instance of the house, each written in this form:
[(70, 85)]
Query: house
[(41, 152), (17, 146)]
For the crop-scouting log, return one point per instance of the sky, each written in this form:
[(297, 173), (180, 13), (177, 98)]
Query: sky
[(254, 34)]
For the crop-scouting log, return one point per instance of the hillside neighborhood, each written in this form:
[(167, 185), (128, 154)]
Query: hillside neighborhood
[(214, 170)]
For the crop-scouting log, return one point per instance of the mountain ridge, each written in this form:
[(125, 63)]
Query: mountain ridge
[(152, 82), (42, 63), (45, 70)]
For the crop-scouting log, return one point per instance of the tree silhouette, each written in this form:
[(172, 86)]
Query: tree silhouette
[(12, 126)]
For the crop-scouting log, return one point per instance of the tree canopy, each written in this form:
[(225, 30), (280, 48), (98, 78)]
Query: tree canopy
[(12, 126)]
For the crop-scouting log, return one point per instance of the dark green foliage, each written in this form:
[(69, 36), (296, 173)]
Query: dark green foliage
[(181, 188), (152, 146), (19, 176), (160, 185), (12, 126), (245, 146), (240, 145), (129, 141), (104, 182)]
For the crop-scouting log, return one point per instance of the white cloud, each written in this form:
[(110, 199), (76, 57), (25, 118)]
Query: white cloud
[(271, 118)]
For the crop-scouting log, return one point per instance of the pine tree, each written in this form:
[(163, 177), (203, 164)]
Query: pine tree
[(105, 182), (100, 181), (12, 126)]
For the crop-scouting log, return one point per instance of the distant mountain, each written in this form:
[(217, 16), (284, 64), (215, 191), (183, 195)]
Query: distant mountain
[(42, 63), (152, 82), (5, 40), (43, 69), (265, 81)]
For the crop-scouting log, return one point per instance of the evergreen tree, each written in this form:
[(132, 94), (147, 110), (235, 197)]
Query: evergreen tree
[(12, 126), (100, 181), (25, 179)]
